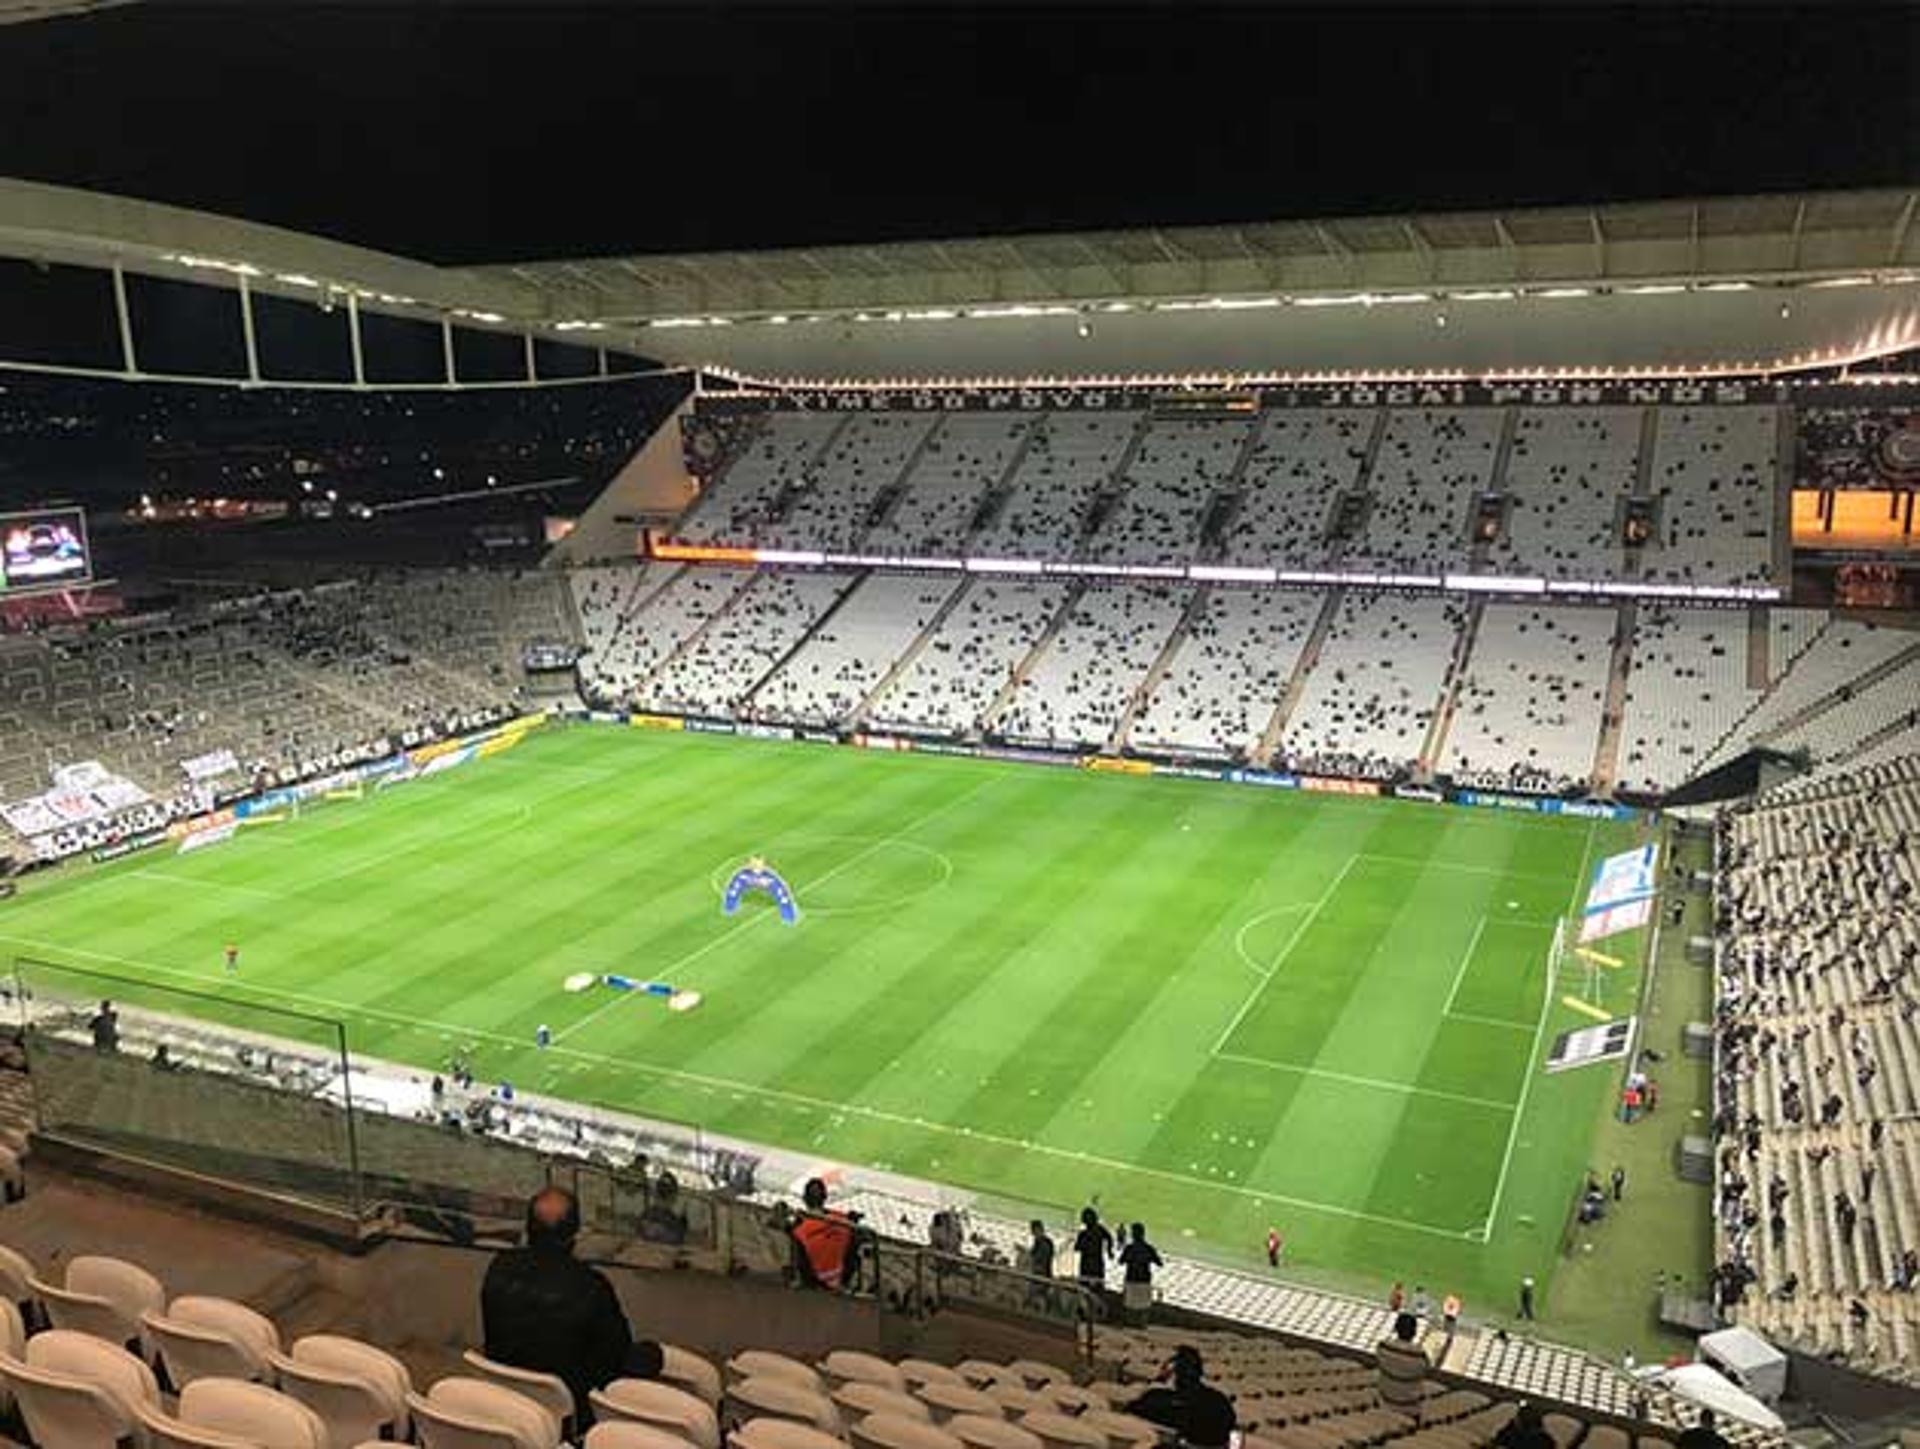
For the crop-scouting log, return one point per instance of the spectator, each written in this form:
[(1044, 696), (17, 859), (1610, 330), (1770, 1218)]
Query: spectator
[(1094, 1245), (1450, 1315), (1200, 1414), (663, 1221), (1403, 1367), (542, 1309), (1704, 1435), (1274, 1245), (1619, 1183), (1040, 1251), (824, 1240), (1526, 1298), (1525, 1430), (106, 1028), (1139, 1258)]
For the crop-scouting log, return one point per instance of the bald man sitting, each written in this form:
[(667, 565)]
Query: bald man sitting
[(543, 1309)]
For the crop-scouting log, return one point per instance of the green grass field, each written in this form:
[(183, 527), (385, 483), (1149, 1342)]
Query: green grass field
[(1216, 1008)]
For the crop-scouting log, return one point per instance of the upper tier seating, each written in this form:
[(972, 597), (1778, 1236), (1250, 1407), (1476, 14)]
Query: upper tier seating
[(830, 508), (1567, 472), (1430, 466), (745, 502), (1527, 713), (1714, 472), (971, 657), (658, 620), (1174, 474), (1302, 460), (962, 463), (843, 660), (1069, 459), (1082, 683), (771, 615), (1374, 689), (1221, 688)]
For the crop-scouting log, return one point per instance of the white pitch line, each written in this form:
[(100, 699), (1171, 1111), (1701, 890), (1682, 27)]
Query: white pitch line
[(1461, 975), (774, 1094), (1313, 914), (1427, 863), (1490, 1021), (1240, 936), (1533, 1052), (1402, 1089), (672, 969)]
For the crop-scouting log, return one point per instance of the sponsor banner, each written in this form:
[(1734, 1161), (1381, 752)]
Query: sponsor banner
[(262, 804), (1191, 772), (656, 722), (217, 820), (31, 817), (1269, 778), (1544, 805), (1109, 765), (1419, 792), (606, 716), (709, 726), (211, 765), (211, 835), (447, 760), (1334, 785), (1623, 879), (1019, 756), (1463, 392), (1589, 1044), (883, 742), (763, 731), (498, 744), (817, 737), (1612, 920), (128, 846)]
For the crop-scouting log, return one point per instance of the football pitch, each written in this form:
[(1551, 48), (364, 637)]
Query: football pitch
[(1215, 1008)]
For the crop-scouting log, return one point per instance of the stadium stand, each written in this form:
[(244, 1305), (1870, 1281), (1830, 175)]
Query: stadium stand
[(963, 462), (1299, 465), (833, 503), (749, 499), (1076, 691), (1174, 475), (1528, 711), (971, 657), (1221, 688), (1428, 468), (1818, 1067), (1371, 696), (1689, 685), (1070, 460), (1715, 475), (766, 621), (1567, 473), (650, 626), (844, 659)]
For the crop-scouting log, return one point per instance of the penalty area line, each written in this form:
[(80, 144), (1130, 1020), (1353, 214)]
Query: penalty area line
[(772, 1094)]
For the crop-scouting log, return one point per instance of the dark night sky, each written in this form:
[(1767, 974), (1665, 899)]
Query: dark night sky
[(489, 132)]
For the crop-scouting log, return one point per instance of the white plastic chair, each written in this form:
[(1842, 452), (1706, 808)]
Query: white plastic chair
[(550, 1391), (356, 1389), (781, 1398), (979, 1432), (200, 1337), (894, 1431), (919, 1371), (77, 1392), (950, 1399), (16, 1275), (858, 1399), (1057, 1431), (103, 1297), (466, 1413), (250, 1414), (1035, 1374), (781, 1434), (164, 1431), (643, 1401), (1122, 1428), (848, 1366), (759, 1363), (685, 1369), (630, 1434)]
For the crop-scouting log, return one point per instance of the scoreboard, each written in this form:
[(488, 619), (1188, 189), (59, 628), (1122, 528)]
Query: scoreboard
[(46, 549)]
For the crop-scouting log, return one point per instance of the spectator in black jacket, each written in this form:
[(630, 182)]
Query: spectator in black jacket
[(542, 1309), (1199, 1413)]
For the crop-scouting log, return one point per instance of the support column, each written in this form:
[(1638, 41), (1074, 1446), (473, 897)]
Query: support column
[(129, 360), (246, 331), (446, 348), (527, 338), (353, 340)]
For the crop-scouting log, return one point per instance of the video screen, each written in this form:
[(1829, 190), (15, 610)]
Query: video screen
[(39, 550)]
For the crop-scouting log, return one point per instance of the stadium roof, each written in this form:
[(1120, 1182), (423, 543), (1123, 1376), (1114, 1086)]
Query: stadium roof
[(1827, 273)]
